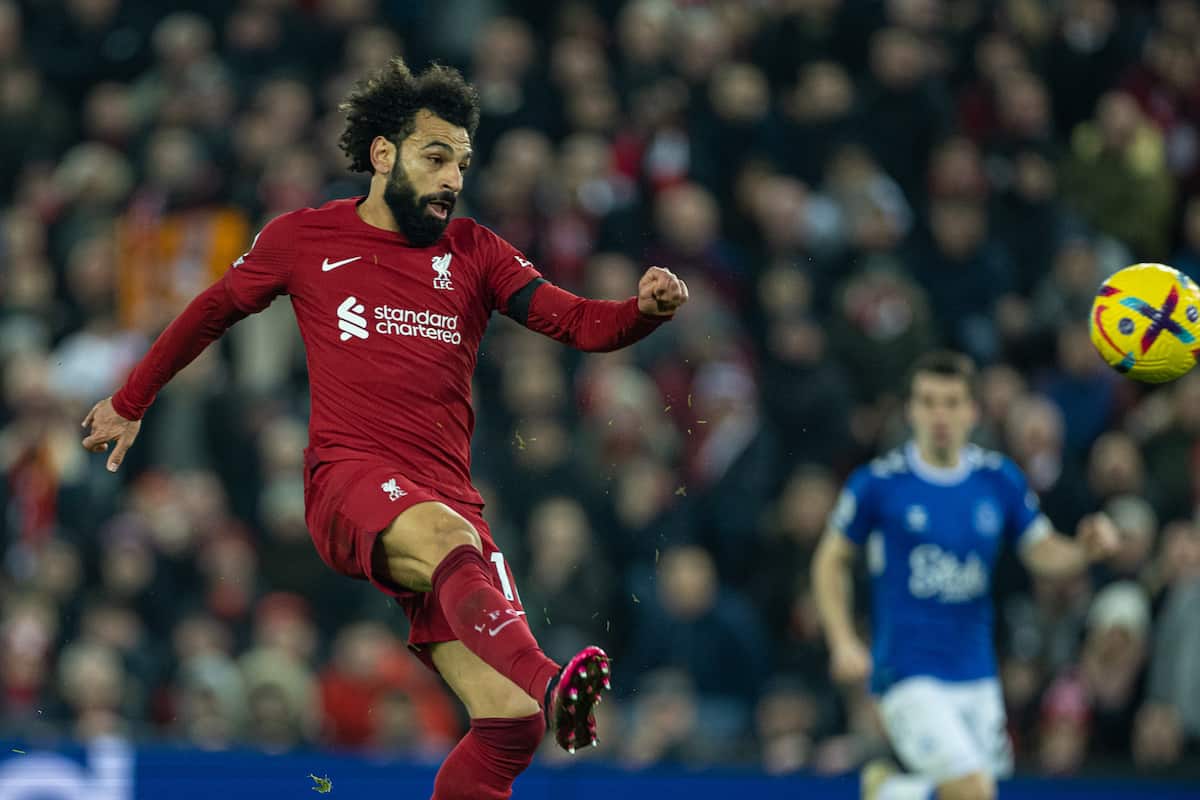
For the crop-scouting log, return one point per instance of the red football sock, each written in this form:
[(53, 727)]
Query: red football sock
[(483, 621), (489, 758)]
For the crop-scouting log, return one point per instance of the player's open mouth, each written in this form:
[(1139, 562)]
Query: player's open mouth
[(440, 208)]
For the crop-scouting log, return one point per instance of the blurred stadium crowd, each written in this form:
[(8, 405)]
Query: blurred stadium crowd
[(843, 183)]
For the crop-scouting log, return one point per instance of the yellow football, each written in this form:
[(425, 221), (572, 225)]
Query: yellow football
[(1146, 322)]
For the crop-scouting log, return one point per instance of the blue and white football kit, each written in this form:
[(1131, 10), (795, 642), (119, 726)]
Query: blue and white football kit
[(932, 538)]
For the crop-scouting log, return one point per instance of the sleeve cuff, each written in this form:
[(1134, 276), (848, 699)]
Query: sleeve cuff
[(653, 318), (123, 408), (1039, 529)]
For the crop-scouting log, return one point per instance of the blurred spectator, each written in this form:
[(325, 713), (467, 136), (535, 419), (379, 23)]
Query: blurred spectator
[(1092, 709), (174, 240), (211, 702), (373, 694), (692, 623), (1085, 57), (28, 633), (739, 101), (818, 116), (34, 124), (689, 236), (1173, 440), (282, 703), (1187, 257), (964, 272), (1113, 664), (807, 383), (1081, 386), (1115, 467), (882, 321), (664, 717), (730, 453), (1166, 85), (875, 215), (92, 685), (1137, 530), (1169, 723), (1116, 176), (904, 110), (1068, 290), (568, 591), (785, 724), (794, 526)]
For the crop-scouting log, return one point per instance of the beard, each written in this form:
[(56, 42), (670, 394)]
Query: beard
[(411, 211)]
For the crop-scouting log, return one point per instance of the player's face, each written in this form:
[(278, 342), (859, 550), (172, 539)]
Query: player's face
[(941, 412), (423, 188)]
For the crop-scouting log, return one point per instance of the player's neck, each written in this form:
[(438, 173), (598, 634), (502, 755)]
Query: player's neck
[(942, 459), (375, 212)]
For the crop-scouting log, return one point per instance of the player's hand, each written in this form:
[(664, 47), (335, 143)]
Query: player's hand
[(1098, 535), (851, 661), (660, 293), (108, 426)]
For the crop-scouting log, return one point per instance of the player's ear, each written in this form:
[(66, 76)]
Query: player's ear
[(383, 155)]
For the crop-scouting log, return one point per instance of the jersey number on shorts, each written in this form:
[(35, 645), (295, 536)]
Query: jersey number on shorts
[(505, 583)]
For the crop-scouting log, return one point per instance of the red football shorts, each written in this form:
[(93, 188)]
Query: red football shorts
[(348, 504)]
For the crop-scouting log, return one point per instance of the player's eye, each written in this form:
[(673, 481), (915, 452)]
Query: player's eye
[(463, 168), (435, 160)]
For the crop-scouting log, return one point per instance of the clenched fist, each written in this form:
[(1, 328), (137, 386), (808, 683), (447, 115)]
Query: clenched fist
[(660, 293), (1099, 537)]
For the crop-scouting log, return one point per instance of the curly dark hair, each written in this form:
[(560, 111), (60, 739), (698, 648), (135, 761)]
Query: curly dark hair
[(386, 103)]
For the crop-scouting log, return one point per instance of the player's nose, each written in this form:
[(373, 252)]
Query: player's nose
[(452, 181)]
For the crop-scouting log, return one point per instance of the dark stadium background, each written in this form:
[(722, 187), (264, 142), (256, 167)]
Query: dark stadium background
[(842, 183)]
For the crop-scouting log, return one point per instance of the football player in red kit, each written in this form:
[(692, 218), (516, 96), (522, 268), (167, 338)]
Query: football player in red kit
[(392, 298)]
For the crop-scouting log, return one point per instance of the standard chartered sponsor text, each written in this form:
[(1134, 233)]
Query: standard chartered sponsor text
[(427, 324)]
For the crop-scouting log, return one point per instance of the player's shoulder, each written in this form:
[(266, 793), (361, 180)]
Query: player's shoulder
[(467, 231), (329, 216), (982, 459), (466, 234), (992, 463), (888, 466)]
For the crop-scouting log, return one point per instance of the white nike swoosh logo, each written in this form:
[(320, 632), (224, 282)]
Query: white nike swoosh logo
[(506, 623), (328, 265)]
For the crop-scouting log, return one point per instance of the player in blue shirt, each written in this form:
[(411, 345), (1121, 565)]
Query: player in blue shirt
[(933, 516)]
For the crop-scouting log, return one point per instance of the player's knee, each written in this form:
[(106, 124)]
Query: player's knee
[(976, 786), (448, 531), (430, 531), (519, 737), (418, 540)]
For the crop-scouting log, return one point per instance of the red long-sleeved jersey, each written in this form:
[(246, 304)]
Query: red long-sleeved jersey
[(391, 332)]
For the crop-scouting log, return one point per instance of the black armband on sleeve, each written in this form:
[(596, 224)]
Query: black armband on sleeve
[(518, 304)]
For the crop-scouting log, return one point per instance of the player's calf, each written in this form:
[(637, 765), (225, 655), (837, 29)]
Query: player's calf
[(976, 786), (419, 540), (489, 758)]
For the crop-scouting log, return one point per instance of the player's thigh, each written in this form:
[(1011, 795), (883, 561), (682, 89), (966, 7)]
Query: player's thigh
[(975, 786), (485, 692), (417, 540), (981, 707), (927, 732)]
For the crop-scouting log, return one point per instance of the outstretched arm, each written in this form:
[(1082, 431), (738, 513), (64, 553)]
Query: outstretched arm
[(598, 325), (1054, 555), (119, 417), (249, 286)]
